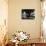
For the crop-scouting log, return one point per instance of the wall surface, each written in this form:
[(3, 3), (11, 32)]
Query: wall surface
[(15, 21), (3, 19)]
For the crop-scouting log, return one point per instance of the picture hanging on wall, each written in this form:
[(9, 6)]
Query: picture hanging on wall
[(28, 13)]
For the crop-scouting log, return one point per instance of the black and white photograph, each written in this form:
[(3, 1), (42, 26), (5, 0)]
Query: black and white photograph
[(28, 13)]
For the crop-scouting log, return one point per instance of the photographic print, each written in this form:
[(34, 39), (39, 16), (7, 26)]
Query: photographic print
[(28, 13)]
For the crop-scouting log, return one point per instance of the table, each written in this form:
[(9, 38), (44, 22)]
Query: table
[(33, 42), (10, 44)]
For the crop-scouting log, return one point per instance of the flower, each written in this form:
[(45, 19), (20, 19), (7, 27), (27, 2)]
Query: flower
[(21, 36)]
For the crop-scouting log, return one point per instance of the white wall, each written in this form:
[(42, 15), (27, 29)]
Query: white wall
[(15, 21)]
